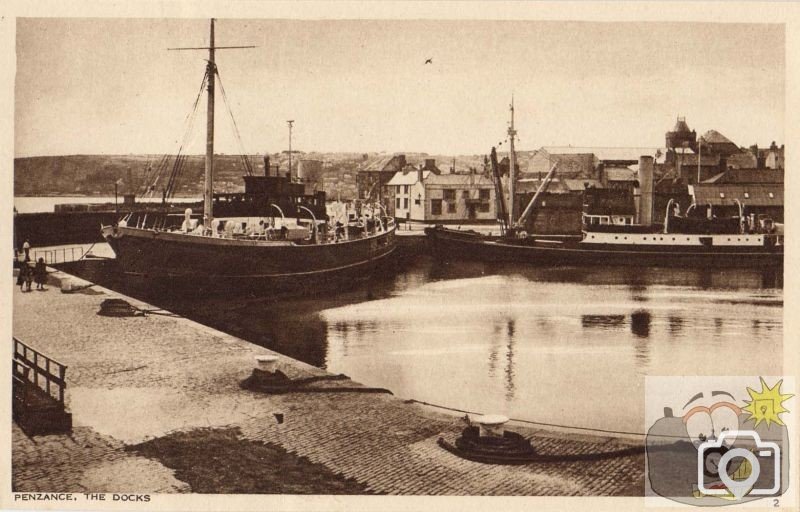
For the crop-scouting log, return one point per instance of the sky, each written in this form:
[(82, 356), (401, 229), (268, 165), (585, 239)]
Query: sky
[(110, 86)]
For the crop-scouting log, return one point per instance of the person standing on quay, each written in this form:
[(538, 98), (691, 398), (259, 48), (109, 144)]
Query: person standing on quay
[(28, 277), (23, 270), (41, 274), (26, 248), (25, 277)]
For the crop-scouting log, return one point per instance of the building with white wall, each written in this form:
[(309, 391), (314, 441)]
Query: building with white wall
[(424, 196)]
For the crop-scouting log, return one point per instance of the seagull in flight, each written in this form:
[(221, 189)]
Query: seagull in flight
[(429, 61)]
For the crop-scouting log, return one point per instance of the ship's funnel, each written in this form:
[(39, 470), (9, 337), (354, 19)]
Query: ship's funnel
[(644, 211)]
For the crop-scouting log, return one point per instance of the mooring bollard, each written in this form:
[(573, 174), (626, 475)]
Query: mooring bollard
[(492, 425), (267, 363), (66, 284)]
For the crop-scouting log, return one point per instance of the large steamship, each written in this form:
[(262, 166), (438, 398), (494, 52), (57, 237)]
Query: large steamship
[(694, 239), (262, 246)]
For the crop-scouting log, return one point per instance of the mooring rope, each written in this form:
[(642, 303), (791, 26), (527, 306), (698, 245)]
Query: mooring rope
[(531, 422), (87, 251)]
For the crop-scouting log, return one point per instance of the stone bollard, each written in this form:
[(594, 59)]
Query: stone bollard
[(492, 425), (66, 284), (267, 363)]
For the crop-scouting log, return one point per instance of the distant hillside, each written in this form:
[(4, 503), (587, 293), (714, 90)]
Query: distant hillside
[(95, 175)]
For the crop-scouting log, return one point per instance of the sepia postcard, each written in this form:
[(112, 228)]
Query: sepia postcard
[(391, 256)]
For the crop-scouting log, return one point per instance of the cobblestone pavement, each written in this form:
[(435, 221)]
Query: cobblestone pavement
[(84, 461), (137, 378)]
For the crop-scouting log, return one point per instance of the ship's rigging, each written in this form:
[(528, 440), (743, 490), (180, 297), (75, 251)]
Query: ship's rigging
[(170, 167)]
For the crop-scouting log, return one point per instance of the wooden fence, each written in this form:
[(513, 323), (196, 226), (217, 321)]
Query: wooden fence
[(43, 372)]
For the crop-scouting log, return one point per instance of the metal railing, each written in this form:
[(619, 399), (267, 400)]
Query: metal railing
[(59, 255), (40, 370)]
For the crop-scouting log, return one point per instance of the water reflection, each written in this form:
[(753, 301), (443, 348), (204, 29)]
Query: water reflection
[(602, 321), (638, 280), (675, 325), (640, 323), (559, 344), (549, 344), (509, 372)]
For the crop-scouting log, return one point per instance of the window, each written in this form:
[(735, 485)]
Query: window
[(483, 208), (405, 189), (449, 194), (483, 195), (405, 203), (451, 207), (397, 202), (436, 206), (417, 201)]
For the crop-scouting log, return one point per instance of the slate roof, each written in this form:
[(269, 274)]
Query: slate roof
[(620, 174), (558, 185), (714, 137), (379, 163), (725, 195), (681, 126), (741, 176), (462, 180)]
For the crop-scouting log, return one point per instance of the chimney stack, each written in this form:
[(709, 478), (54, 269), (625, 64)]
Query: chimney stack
[(419, 174), (266, 165), (645, 210)]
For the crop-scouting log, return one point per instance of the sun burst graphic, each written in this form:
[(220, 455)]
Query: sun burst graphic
[(766, 405)]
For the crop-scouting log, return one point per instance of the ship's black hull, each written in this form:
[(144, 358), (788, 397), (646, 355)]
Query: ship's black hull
[(183, 264), (449, 244)]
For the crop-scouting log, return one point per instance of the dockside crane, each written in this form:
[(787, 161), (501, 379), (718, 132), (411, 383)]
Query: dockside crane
[(523, 219)]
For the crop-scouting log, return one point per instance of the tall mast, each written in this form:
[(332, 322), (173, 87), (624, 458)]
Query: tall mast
[(290, 122), (512, 167), (211, 73), (208, 190)]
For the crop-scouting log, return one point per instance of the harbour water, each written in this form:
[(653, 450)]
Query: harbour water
[(569, 346)]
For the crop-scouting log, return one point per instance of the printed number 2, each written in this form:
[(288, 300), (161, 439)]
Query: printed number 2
[(776, 502)]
